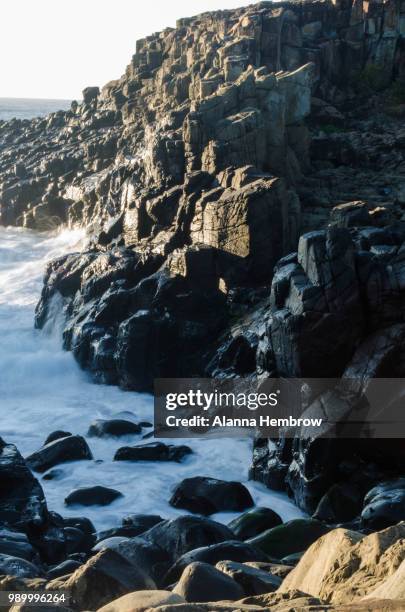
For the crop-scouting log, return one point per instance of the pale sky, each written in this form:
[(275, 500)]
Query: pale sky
[(55, 48)]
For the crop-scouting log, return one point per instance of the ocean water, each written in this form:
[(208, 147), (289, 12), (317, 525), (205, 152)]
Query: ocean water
[(27, 108), (42, 389)]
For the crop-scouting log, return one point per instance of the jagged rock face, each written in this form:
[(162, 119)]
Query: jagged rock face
[(222, 89), (337, 311)]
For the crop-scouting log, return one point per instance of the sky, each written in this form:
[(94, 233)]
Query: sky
[(55, 48)]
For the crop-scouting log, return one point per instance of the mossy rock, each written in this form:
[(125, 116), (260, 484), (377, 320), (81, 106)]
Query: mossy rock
[(291, 537)]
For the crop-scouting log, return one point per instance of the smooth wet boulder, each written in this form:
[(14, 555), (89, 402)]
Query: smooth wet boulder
[(209, 495), (16, 544), (77, 540), (92, 496), (159, 547), (132, 525), (255, 521), (81, 522), (71, 448), (185, 533), (113, 427), (63, 569), (113, 542), (141, 522), (252, 580), (103, 578), (384, 505), (291, 537), (203, 582), (341, 503), (231, 550), (56, 435), (154, 451), (141, 601), (15, 566)]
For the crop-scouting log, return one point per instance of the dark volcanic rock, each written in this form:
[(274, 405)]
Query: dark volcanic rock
[(209, 495), (253, 522), (158, 548), (154, 451), (16, 544), (231, 550), (113, 427), (384, 505), (92, 496), (14, 566), (63, 569), (71, 448), (291, 537), (202, 582), (56, 435), (23, 506), (141, 522)]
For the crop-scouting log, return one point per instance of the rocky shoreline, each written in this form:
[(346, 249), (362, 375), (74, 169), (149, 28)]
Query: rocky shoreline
[(243, 189), (193, 563)]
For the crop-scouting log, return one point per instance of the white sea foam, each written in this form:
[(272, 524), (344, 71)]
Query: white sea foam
[(43, 389)]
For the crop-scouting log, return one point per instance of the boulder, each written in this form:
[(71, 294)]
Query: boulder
[(113, 427), (159, 547), (341, 503), (141, 522), (92, 496), (253, 522), (384, 505), (231, 550), (362, 567), (63, 569), (141, 601), (56, 435), (22, 500), (154, 451), (350, 214), (209, 495), (23, 506), (319, 560), (16, 544), (103, 578), (203, 582), (61, 450), (90, 94), (252, 580), (291, 537), (20, 568)]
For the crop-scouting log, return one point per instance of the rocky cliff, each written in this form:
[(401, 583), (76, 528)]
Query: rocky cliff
[(243, 186)]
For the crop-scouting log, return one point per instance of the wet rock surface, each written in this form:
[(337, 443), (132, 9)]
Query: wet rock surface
[(60, 450), (92, 496), (209, 495)]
